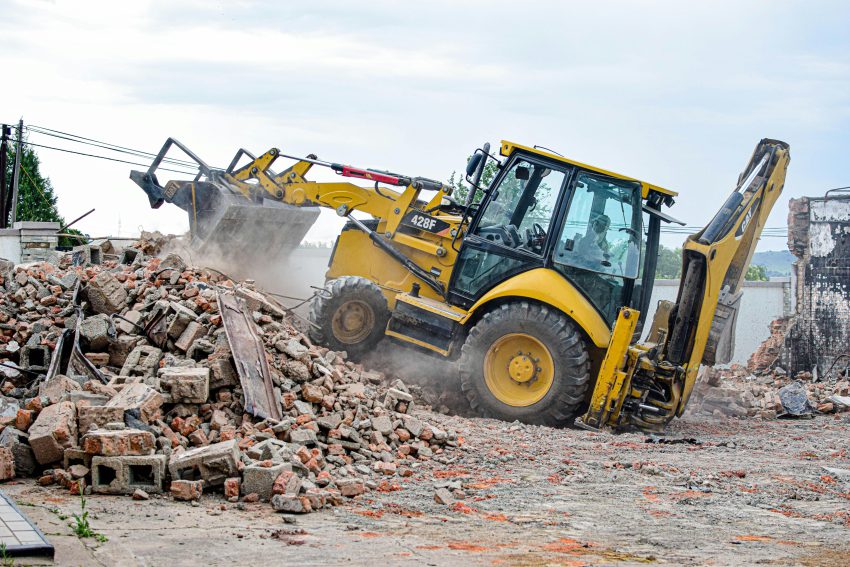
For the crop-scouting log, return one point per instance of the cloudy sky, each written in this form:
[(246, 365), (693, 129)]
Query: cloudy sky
[(673, 92)]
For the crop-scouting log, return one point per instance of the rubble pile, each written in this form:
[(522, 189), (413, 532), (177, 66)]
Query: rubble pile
[(768, 394), (143, 374)]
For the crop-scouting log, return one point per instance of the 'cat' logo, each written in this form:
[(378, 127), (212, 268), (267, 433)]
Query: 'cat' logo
[(747, 218)]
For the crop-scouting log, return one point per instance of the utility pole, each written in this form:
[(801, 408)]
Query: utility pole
[(16, 174), (4, 186)]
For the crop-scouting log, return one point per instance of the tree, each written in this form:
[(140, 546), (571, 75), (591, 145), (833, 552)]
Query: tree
[(509, 190), (36, 199), (461, 189), (669, 266), (756, 273)]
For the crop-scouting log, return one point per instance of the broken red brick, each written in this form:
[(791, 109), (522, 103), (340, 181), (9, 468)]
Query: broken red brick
[(187, 489), (231, 488)]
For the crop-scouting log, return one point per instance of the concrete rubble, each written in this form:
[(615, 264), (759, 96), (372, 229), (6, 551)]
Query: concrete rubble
[(739, 392), (154, 403)]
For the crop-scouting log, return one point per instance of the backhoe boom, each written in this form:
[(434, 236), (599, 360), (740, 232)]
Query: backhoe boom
[(649, 383)]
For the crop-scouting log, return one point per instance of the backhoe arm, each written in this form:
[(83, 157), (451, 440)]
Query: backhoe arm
[(648, 384)]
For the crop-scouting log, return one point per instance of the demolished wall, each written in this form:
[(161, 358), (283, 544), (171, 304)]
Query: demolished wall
[(119, 377), (819, 236)]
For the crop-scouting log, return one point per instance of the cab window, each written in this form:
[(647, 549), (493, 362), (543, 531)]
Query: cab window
[(603, 227), (512, 229), (520, 210), (599, 247)]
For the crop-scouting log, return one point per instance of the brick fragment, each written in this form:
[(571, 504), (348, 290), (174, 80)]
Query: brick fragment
[(78, 471), (231, 488), (192, 332), (24, 419), (287, 482), (289, 503), (187, 490), (121, 442), (98, 416), (443, 496), (54, 430), (222, 373), (182, 317), (260, 479), (16, 441), (198, 438), (142, 361), (141, 397), (382, 424), (186, 385), (317, 498), (311, 393), (213, 463), (350, 487), (58, 388), (7, 464), (106, 294), (95, 332)]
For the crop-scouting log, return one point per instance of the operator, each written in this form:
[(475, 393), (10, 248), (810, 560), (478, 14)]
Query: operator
[(593, 248)]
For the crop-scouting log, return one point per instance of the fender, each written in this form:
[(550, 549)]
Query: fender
[(550, 288)]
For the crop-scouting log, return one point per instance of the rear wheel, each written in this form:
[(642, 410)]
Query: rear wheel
[(351, 315), (526, 362)]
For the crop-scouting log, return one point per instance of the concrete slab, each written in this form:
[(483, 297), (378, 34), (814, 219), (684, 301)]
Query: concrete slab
[(20, 536)]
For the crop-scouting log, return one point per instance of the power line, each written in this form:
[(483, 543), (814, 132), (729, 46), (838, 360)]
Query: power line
[(106, 146), (104, 157)]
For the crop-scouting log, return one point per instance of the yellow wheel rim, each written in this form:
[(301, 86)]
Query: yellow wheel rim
[(352, 322), (518, 370)]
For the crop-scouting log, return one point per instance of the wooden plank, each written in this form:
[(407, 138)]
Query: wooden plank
[(249, 355)]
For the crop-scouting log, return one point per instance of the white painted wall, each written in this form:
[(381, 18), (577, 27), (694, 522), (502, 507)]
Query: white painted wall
[(10, 244), (761, 303)]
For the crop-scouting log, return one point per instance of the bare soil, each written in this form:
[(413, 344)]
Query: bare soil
[(728, 492)]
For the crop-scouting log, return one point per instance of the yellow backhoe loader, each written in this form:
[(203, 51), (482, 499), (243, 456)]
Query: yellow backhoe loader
[(537, 285)]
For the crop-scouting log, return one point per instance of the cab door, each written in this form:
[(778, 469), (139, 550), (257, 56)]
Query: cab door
[(599, 248), (510, 233)]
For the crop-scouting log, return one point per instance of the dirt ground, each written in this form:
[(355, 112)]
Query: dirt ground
[(729, 492)]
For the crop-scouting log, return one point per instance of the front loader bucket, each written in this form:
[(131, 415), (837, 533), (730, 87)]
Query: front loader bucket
[(233, 229), (244, 237)]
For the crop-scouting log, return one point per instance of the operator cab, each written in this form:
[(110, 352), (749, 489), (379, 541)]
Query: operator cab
[(599, 230)]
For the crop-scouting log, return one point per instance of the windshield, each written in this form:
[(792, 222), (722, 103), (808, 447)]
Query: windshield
[(519, 212)]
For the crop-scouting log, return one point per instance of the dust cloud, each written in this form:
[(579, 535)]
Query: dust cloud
[(294, 273)]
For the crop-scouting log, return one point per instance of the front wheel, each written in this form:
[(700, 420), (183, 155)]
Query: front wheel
[(350, 315), (526, 362)]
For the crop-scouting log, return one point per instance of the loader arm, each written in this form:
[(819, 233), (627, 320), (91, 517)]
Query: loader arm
[(649, 383), (225, 205)]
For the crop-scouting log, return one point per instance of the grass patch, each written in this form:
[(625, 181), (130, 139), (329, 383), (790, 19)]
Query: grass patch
[(5, 559), (81, 525)]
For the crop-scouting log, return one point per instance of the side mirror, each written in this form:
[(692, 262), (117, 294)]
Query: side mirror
[(474, 171), (522, 173), (473, 163)]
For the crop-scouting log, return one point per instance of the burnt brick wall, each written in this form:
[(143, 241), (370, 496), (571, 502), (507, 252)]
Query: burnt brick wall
[(819, 235)]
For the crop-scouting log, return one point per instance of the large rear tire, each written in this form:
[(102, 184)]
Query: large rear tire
[(351, 315), (527, 362)]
